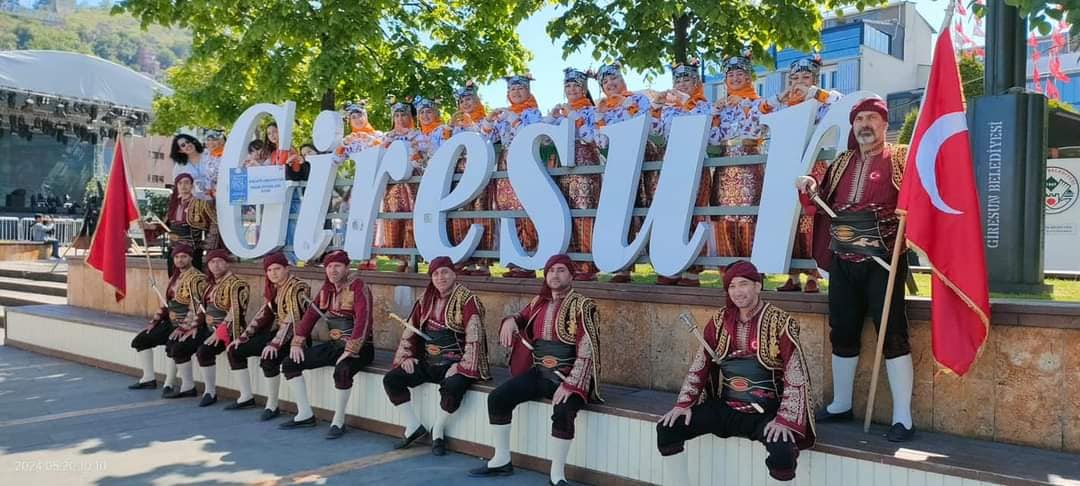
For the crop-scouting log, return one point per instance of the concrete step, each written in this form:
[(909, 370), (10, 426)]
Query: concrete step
[(44, 287), (33, 275), (14, 298)]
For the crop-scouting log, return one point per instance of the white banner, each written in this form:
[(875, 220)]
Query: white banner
[(1062, 215), (257, 185)]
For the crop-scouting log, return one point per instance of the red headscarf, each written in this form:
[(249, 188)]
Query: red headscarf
[(336, 256), (174, 198), (560, 259), (221, 253), (744, 269), (431, 293), (277, 258), (876, 105)]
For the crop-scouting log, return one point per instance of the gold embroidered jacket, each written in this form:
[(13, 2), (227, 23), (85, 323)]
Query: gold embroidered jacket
[(463, 313), (774, 339)]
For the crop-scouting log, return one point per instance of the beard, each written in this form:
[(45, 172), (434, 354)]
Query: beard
[(866, 137)]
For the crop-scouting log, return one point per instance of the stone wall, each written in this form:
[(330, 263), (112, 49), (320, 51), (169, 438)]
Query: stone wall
[(1024, 389), (23, 250)]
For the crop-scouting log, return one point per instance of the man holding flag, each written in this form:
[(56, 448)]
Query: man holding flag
[(861, 187)]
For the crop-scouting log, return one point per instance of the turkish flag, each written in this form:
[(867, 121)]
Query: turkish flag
[(118, 211), (938, 194)]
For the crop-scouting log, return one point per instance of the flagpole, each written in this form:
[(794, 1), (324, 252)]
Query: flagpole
[(889, 288), (145, 249)]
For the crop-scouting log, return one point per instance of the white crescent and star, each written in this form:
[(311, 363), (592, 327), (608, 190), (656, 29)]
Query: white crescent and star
[(935, 136)]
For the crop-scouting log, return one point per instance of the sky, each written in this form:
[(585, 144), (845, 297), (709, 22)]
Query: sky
[(547, 63)]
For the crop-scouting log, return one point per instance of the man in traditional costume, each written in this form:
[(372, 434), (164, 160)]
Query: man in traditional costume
[(471, 117), (620, 104), (285, 297), (336, 330), (555, 354), (225, 303), (739, 133), (581, 191), (802, 78), (455, 357), (862, 186), (186, 286), (687, 97), (189, 219), (750, 381)]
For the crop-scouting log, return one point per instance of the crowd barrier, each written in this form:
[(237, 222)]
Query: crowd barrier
[(9, 228), (18, 229)]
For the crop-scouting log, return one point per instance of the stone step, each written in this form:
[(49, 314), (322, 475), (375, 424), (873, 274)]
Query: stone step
[(33, 275), (14, 298), (43, 287)]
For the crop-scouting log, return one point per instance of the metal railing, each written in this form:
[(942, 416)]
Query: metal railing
[(9, 228), (18, 229), (338, 219)]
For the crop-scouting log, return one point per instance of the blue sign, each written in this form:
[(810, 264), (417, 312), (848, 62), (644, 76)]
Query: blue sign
[(238, 186)]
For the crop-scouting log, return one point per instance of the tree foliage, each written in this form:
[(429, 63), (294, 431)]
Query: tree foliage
[(972, 72), (91, 30), (320, 53), (649, 34)]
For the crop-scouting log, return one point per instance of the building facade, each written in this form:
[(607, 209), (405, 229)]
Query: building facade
[(885, 50)]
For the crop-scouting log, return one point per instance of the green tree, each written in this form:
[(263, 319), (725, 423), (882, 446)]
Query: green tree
[(319, 53), (648, 34), (908, 128), (972, 72), (971, 80), (23, 37)]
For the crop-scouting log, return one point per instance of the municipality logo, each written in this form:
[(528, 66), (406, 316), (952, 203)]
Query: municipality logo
[(1061, 188)]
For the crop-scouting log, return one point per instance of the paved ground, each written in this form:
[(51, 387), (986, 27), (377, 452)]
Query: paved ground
[(65, 423)]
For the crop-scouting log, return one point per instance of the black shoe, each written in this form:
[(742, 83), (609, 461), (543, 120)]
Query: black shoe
[(335, 432), (249, 403), (268, 414), (562, 482), (207, 400), (488, 472), (168, 390), (182, 394), (826, 416), (143, 385), (438, 447), (899, 433), (293, 424), (415, 436)]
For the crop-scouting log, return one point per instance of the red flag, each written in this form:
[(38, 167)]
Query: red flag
[(938, 195), (110, 238)]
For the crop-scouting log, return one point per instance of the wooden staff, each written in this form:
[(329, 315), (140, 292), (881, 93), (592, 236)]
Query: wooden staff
[(150, 271), (884, 320)]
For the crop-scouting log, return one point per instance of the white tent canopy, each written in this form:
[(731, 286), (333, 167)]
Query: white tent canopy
[(78, 76)]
